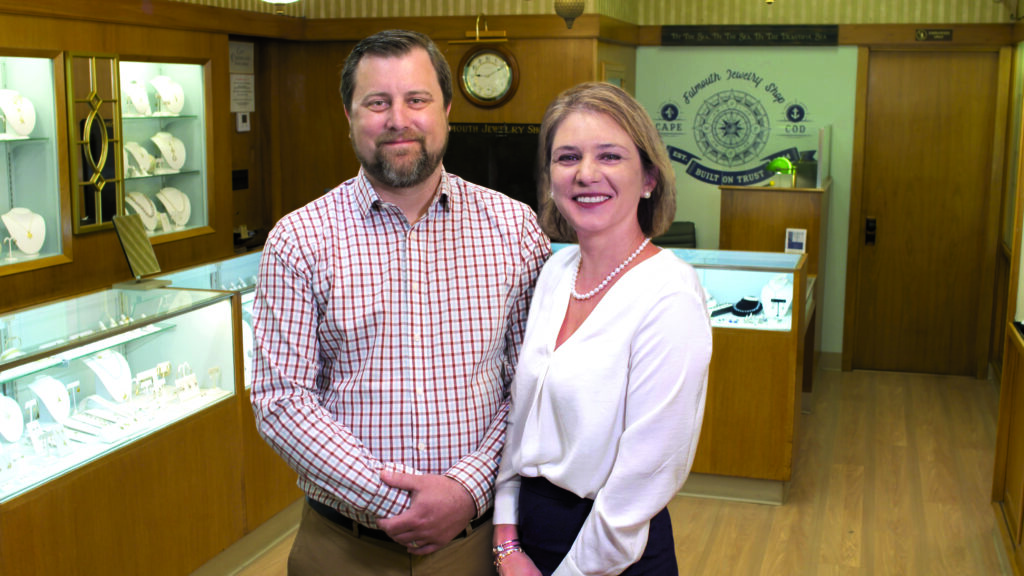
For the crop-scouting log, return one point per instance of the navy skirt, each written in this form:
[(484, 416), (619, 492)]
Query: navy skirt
[(550, 518)]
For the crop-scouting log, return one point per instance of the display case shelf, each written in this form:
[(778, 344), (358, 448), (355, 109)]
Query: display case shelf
[(85, 377)]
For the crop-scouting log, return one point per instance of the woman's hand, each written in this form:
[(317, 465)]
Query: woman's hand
[(518, 564)]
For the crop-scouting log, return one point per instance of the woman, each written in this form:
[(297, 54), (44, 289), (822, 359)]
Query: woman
[(608, 397)]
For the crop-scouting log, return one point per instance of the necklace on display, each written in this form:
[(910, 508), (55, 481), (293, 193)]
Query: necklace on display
[(26, 229), (608, 278), (170, 147), (145, 207), (169, 194)]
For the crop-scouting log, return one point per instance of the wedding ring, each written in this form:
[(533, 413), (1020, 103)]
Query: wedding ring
[(414, 544)]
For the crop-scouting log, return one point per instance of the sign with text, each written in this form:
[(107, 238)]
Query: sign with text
[(749, 35)]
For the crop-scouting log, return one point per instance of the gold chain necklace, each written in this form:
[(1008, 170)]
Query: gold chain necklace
[(139, 201), (167, 195), (26, 229)]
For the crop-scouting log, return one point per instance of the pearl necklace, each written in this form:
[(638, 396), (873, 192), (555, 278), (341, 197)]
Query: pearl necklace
[(608, 278)]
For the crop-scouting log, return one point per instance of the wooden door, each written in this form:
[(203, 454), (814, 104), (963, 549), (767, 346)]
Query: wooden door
[(927, 170)]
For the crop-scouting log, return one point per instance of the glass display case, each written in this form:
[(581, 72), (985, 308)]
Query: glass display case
[(236, 274), (749, 290), (164, 151), (30, 225), (752, 290), (83, 377)]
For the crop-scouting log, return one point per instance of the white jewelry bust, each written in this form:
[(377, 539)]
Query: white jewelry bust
[(170, 96), (137, 99), (172, 152), (145, 163), (12, 422), (54, 401), (27, 228), (113, 375), (177, 204), (144, 207), (19, 115)]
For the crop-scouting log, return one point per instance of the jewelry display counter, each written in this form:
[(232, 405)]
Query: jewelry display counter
[(760, 330), (163, 119), (757, 371), (759, 217), (270, 484), (115, 411), (30, 211)]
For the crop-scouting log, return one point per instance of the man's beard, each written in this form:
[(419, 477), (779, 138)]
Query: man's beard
[(404, 175)]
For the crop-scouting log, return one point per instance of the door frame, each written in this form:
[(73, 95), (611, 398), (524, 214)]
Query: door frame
[(991, 242)]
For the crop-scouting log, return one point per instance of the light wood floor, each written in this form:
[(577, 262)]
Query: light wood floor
[(893, 475)]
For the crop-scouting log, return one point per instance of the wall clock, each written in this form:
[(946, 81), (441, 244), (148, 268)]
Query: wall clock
[(488, 75)]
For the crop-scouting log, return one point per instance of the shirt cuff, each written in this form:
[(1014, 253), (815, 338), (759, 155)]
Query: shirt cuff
[(506, 502), (390, 501), (476, 474)]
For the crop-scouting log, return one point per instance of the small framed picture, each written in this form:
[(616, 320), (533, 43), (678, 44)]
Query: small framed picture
[(796, 240)]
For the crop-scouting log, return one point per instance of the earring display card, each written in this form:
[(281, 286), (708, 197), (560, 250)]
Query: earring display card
[(131, 232)]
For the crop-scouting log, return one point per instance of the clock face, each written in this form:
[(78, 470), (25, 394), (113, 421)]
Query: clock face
[(489, 76)]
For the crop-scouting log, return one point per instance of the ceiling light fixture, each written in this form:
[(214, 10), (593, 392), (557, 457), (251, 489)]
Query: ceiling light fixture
[(278, 9), (569, 10)]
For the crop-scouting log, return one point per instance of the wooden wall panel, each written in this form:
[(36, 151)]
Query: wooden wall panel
[(307, 132)]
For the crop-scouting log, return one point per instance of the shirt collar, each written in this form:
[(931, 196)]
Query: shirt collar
[(366, 197)]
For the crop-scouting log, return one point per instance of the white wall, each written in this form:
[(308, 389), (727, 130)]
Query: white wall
[(745, 100)]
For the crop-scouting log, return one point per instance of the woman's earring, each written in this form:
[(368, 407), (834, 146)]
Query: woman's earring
[(647, 194)]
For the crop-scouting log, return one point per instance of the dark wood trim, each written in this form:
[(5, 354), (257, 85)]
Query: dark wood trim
[(448, 28), (856, 185), (983, 342), (904, 35), (162, 14), (897, 35)]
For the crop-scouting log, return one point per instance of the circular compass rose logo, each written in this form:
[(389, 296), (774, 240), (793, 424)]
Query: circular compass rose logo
[(731, 128)]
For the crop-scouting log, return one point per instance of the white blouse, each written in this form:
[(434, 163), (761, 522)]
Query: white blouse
[(614, 414)]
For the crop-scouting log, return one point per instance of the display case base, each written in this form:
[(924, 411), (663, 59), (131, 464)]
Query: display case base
[(756, 490)]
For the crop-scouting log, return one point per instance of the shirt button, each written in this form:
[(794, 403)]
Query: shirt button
[(421, 446), (416, 338)]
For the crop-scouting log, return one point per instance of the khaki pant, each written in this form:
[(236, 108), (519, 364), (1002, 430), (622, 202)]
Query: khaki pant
[(322, 548)]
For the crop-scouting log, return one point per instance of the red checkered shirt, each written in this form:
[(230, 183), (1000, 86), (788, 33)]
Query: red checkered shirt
[(380, 345)]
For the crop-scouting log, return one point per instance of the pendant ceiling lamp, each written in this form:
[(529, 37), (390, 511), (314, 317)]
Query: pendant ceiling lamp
[(569, 10), (280, 9)]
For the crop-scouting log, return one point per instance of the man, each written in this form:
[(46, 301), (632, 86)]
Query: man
[(388, 318)]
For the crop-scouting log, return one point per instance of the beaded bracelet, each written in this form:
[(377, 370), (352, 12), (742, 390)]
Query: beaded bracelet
[(504, 546), (505, 553)]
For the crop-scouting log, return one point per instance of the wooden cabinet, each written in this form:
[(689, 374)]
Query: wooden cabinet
[(757, 218), (123, 454), (753, 401)]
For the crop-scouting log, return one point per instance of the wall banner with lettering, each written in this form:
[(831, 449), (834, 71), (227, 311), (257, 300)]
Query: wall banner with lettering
[(725, 112)]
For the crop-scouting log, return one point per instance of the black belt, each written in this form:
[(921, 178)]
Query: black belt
[(366, 532)]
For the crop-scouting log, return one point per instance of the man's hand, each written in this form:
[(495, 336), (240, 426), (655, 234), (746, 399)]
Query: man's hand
[(440, 509)]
